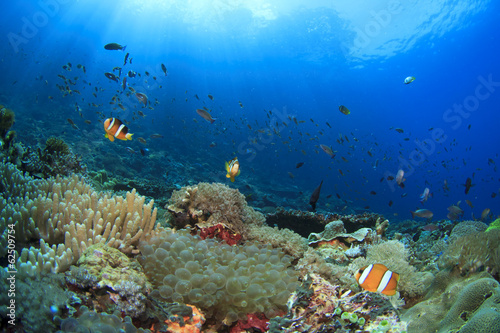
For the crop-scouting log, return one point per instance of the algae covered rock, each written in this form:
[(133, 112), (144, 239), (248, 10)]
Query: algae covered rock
[(125, 276)]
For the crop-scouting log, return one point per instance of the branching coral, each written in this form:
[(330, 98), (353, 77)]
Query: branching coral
[(67, 215), (206, 205)]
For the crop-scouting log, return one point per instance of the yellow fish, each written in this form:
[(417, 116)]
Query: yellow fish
[(233, 168)]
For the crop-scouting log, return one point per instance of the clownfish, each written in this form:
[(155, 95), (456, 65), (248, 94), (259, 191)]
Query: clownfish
[(377, 278), (116, 129), (233, 168)]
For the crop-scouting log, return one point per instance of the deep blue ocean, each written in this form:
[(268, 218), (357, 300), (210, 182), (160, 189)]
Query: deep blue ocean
[(290, 64)]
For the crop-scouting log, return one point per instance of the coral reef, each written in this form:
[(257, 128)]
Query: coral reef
[(182, 319), (90, 321), (394, 255), (290, 242), (56, 158), (473, 252), (318, 306), (463, 305), (67, 216), (305, 223), (108, 267), (225, 281), (38, 300), (7, 119), (206, 205)]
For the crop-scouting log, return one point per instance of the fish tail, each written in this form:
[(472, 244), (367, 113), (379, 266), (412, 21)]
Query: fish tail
[(123, 48), (412, 214), (212, 120), (129, 136)]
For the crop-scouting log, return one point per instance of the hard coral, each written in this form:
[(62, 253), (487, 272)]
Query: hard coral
[(458, 305)]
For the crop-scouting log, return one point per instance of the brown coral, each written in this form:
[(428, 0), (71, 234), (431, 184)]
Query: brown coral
[(208, 204), (473, 252)]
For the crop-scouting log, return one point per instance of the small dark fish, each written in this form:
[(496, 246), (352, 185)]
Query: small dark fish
[(390, 203), (142, 98), (156, 136), (241, 104), (126, 57), (144, 151), (299, 165), (344, 110), (327, 124), (468, 184), (114, 46), (72, 123), (315, 196), (373, 193), (111, 76), (164, 69), (399, 130), (131, 74), (329, 196), (124, 83), (390, 177), (211, 97), (493, 194)]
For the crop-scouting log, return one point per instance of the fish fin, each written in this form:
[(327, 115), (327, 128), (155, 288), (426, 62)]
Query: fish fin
[(412, 214), (129, 136), (227, 168), (238, 173), (232, 179)]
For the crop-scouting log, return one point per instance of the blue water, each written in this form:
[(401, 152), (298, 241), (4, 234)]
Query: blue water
[(298, 59)]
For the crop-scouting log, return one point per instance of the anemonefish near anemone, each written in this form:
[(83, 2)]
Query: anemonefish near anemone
[(377, 278), (116, 129), (233, 168)]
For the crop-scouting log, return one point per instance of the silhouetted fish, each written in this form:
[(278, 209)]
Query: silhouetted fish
[(468, 184), (315, 196)]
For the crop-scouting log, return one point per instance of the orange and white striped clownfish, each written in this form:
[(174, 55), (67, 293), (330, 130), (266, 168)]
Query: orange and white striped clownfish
[(233, 168), (377, 278), (116, 129)]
